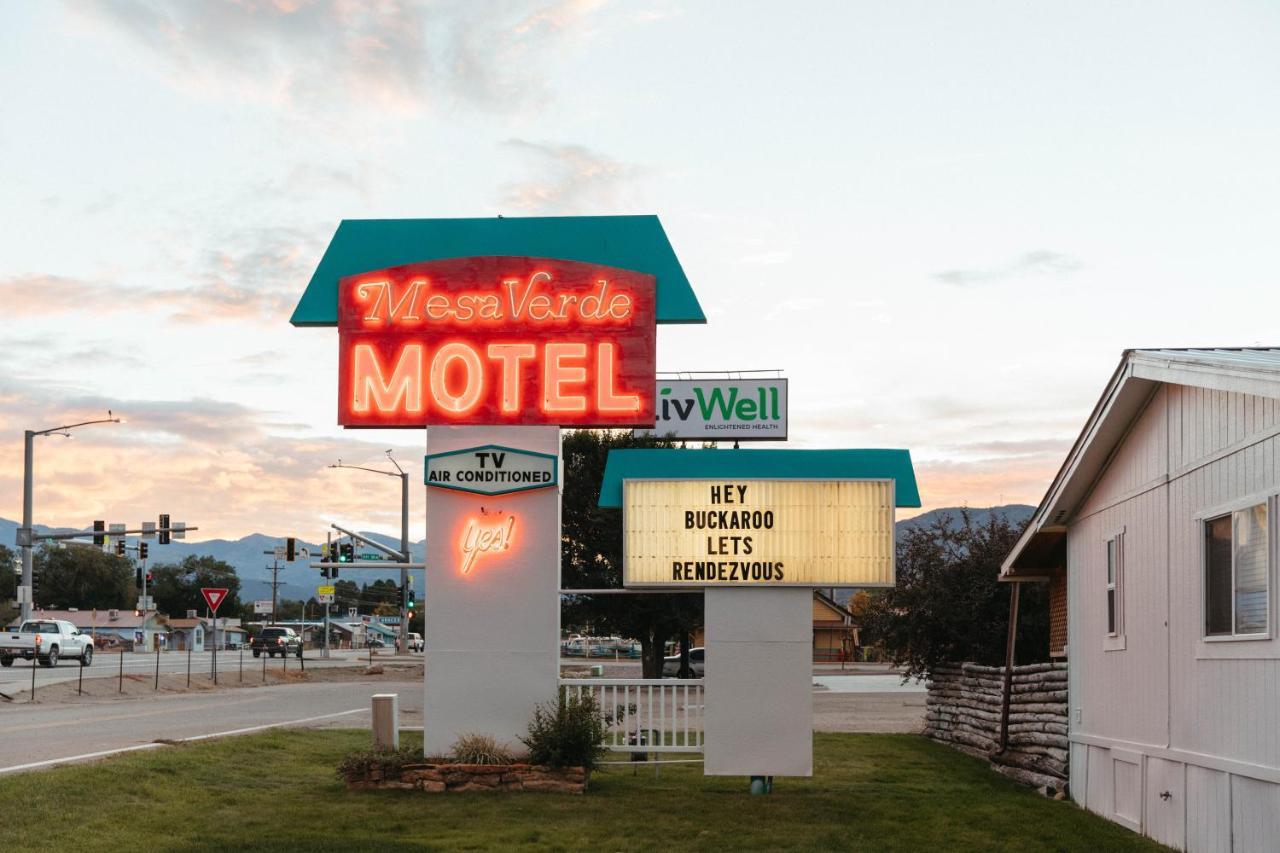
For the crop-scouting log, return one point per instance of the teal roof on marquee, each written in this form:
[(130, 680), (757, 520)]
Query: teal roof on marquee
[(629, 242), (778, 464)]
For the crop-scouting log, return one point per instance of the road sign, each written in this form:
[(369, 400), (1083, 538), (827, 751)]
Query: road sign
[(325, 598), (146, 602), (24, 594), (280, 552), (372, 557), (179, 529), (214, 596), (262, 606), (148, 530), (325, 590)]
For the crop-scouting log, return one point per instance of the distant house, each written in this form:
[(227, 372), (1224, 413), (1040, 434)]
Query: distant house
[(834, 634), (1156, 539), (144, 630), (186, 635)]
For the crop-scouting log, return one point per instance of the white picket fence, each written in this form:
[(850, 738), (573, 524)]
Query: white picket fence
[(650, 715)]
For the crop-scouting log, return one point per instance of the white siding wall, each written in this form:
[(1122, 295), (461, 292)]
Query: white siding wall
[(1204, 717)]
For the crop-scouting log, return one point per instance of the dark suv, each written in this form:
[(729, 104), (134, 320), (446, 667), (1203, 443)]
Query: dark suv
[(276, 641)]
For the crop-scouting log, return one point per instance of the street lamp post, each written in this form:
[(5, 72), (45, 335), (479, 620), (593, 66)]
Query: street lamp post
[(404, 533), (25, 533)]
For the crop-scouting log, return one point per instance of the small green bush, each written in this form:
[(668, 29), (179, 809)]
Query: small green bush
[(569, 732), (389, 761), (474, 748)]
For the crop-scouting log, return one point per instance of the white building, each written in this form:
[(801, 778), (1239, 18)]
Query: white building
[(1163, 519)]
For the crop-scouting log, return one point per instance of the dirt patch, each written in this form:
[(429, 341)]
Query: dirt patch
[(136, 686)]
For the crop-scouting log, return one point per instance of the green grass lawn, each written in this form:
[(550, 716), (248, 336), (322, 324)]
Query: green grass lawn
[(277, 791)]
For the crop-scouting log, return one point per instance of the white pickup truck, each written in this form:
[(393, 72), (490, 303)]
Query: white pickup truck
[(47, 640)]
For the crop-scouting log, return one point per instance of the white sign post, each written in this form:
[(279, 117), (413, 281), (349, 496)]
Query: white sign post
[(758, 547), (493, 576)]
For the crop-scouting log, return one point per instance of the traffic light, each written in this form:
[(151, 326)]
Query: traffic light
[(324, 571), (290, 549), (410, 602), (164, 529), (142, 550), (120, 547), (137, 575), (148, 576), (346, 553), (99, 528), (400, 597)]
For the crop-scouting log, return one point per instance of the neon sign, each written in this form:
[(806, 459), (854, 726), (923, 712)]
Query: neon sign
[(479, 537), (496, 340)]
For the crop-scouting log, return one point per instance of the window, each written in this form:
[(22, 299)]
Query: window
[(1115, 602), (1237, 573)]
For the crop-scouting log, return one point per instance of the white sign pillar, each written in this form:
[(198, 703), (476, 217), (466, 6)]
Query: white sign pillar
[(759, 681), (492, 602)]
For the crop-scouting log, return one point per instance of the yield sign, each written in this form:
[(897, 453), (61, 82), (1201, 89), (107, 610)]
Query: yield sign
[(214, 596)]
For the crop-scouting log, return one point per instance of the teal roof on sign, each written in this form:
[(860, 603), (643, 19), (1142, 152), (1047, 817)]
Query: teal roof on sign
[(778, 464), (630, 242)]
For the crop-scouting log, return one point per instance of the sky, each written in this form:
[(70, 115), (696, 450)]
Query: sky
[(943, 221)]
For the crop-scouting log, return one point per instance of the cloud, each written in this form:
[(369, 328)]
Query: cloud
[(256, 275), (571, 179), (317, 54), (227, 468), (1040, 262)]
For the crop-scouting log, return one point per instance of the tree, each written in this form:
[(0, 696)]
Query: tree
[(948, 605), (345, 596), (83, 577), (176, 588), (9, 581), (591, 555)]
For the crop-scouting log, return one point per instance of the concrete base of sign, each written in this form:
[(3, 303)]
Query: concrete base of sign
[(759, 682), (492, 614)]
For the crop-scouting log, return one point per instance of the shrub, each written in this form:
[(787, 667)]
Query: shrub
[(474, 748), (569, 732), (389, 761)]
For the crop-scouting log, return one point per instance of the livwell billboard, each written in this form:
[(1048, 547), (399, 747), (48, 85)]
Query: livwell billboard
[(721, 409), (496, 340), (758, 533)]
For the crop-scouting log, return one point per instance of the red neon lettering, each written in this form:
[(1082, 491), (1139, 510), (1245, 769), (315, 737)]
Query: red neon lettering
[(510, 355), (383, 297), (556, 374), (473, 377), (479, 538), (607, 400), (402, 391)]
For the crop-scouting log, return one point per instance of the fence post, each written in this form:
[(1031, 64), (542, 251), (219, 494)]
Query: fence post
[(1009, 657)]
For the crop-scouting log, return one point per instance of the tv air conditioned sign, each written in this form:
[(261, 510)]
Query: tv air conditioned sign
[(721, 410), (491, 470)]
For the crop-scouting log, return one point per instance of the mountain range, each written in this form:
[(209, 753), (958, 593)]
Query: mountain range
[(252, 556)]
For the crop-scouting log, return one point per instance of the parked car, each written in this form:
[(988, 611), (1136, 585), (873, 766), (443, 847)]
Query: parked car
[(276, 641), (697, 663), (416, 643), (374, 641), (47, 639)]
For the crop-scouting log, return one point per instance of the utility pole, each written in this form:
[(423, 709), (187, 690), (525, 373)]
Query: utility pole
[(275, 584), (25, 533), (404, 534)]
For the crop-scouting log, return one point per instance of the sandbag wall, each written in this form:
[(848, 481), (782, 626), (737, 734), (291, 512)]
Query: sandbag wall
[(963, 710)]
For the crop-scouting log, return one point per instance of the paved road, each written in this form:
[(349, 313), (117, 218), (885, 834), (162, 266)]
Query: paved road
[(39, 734), (17, 678)]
